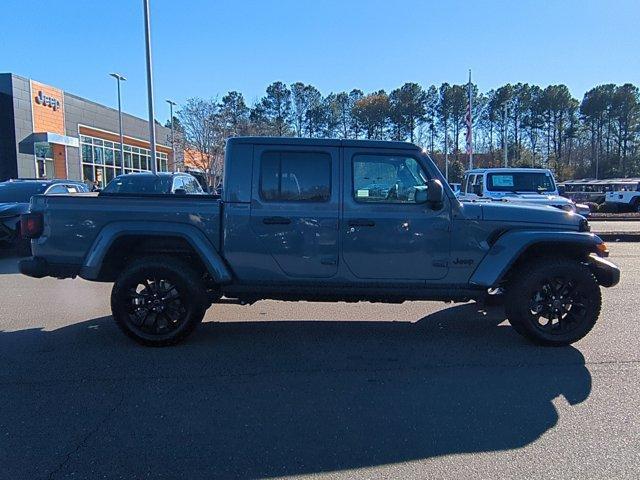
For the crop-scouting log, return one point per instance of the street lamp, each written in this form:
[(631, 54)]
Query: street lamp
[(120, 78), (152, 127), (173, 148)]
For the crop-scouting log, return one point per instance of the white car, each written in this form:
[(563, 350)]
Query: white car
[(535, 186), (626, 196)]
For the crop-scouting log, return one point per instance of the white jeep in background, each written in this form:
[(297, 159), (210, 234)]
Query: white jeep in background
[(625, 197), (535, 186)]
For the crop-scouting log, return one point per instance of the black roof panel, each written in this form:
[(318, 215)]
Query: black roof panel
[(321, 142)]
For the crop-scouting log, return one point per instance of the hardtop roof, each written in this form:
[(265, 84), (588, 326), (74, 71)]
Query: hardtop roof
[(508, 169), (322, 142)]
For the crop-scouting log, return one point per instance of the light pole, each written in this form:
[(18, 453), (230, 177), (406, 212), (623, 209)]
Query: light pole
[(120, 78), (152, 127), (504, 133), (173, 147)]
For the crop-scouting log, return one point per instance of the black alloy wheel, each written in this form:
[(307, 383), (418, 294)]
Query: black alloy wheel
[(156, 307), (158, 301), (553, 301), (558, 305)]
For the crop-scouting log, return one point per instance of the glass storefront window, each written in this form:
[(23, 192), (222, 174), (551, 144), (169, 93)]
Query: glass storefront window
[(108, 156), (101, 159), (44, 160), (87, 173), (110, 174), (98, 155), (87, 153)]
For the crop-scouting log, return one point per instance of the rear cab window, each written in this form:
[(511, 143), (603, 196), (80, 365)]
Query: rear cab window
[(295, 176)]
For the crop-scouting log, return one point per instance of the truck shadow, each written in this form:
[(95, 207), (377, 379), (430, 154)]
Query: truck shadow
[(264, 399)]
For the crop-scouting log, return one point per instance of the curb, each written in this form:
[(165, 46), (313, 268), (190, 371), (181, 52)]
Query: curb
[(619, 236), (613, 219)]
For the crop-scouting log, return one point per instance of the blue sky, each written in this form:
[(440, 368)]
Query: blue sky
[(206, 48)]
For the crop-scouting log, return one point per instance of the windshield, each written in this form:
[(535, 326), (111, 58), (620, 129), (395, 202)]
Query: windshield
[(140, 185), (20, 192), (537, 182)]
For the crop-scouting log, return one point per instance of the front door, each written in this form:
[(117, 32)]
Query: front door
[(386, 235), (295, 208)]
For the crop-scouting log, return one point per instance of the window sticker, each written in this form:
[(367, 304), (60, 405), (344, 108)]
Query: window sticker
[(362, 193), (503, 180)]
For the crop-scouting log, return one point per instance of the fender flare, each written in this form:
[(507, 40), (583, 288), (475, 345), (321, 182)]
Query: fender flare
[(509, 246), (196, 238)]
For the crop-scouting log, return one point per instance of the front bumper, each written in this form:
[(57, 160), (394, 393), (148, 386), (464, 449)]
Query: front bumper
[(606, 272)]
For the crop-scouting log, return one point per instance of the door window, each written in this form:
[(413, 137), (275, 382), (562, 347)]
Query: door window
[(178, 184), (469, 184), (192, 186), (57, 189), (479, 184), (295, 176), (386, 178)]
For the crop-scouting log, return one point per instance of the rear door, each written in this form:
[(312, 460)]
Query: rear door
[(385, 234), (295, 208)]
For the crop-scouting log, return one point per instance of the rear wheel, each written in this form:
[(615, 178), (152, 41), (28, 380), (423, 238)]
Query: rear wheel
[(158, 301), (553, 301)]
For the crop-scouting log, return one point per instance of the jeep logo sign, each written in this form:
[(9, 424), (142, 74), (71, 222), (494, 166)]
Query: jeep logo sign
[(47, 101)]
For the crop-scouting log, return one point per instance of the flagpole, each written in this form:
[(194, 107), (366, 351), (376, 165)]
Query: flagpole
[(470, 127)]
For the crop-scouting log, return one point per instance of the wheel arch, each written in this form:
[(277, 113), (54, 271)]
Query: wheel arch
[(513, 249), (119, 243)]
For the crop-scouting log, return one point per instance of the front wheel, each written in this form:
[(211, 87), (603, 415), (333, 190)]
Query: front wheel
[(158, 301), (553, 301)]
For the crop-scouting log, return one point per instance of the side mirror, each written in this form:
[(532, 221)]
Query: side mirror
[(180, 191), (477, 189), (562, 189), (432, 193)]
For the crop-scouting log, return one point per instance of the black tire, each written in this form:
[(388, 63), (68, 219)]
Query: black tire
[(553, 301), (158, 301)]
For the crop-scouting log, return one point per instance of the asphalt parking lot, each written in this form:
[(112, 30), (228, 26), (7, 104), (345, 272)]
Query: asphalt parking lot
[(418, 390)]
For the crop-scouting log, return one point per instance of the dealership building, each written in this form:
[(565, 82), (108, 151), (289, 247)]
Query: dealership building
[(48, 133)]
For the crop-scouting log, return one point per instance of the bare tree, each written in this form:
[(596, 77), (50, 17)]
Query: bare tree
[(203, 137)]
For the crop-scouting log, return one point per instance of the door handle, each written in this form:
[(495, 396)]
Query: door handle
[(276, 221), (361, 222)]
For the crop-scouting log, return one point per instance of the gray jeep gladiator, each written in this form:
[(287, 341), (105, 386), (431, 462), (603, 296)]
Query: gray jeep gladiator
[(322, 220)]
